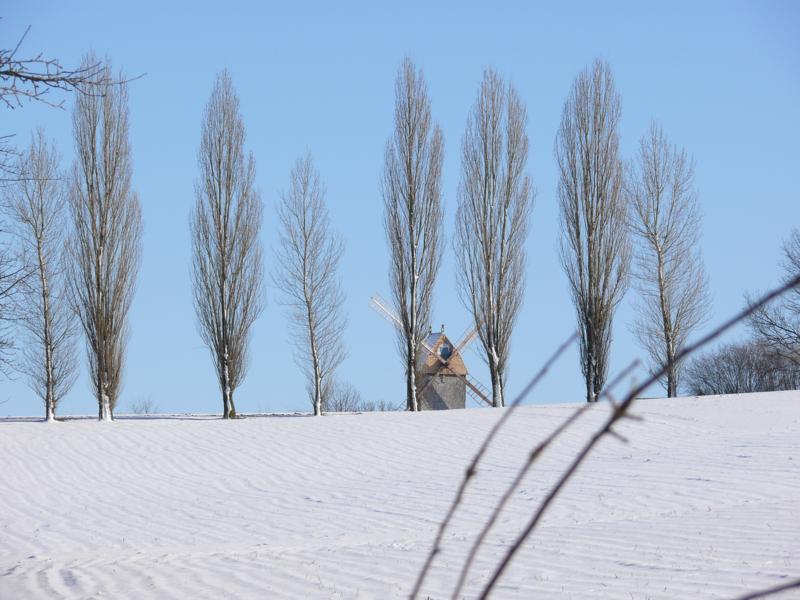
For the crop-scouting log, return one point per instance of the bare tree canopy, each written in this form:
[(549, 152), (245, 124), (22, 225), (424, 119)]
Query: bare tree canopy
[(411, 189), (227, 269), (308, 257), (778, 326), (36, 202), (594, 238), (105, 244), (345, 397), (495, 200), (740, 368), (669, 272), (144, 406)]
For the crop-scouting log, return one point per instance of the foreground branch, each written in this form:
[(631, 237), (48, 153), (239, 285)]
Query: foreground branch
[(619, 412), (771, 591), (473, 466), (532, 457)]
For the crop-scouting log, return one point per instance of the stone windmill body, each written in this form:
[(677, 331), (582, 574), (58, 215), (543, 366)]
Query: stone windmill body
[(443, 381)]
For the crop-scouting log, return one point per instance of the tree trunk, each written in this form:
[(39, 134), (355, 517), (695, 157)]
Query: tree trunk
[(317, 379), (497, 380), (672, 380), (317, 395), (666, 320), (312, 331), (498, 395), (105, 406), (412, 402), (590, 365), (48, 334), (228, 409), (597, 387), (102, 401)]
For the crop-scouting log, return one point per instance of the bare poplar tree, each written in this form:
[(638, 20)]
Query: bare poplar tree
[(411, 189), (36, 202), (778, 326), (105, 244), (495, 199), (308, 257), (668, 270), (595, 249), (227, 270)]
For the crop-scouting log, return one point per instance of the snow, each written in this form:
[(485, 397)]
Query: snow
[(702, 503)]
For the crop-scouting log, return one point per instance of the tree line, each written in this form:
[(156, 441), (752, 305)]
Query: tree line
[(622, 222), (72, 262)]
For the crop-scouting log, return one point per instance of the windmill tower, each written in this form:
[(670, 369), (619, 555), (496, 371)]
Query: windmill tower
[(441, 385), (442, 378)]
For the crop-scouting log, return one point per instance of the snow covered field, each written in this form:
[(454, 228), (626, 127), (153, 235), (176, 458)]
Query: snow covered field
[(703, 503)]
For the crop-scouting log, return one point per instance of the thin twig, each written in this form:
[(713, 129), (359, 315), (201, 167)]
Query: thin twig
[(618, 413), (33, 78), (472, 468), (525, 468), (790, 585)]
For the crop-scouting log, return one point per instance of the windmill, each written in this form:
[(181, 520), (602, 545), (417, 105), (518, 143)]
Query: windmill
[(442, 377)]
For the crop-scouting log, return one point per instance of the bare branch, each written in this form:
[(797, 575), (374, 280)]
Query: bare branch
[(472, 469), (33, 78), (533, 456), (772, 591), (618, 412)]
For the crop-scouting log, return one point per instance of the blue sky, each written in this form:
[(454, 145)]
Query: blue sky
[(722, 78)]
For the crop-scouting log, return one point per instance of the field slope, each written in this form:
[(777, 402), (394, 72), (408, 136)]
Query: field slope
[(702, 503)]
